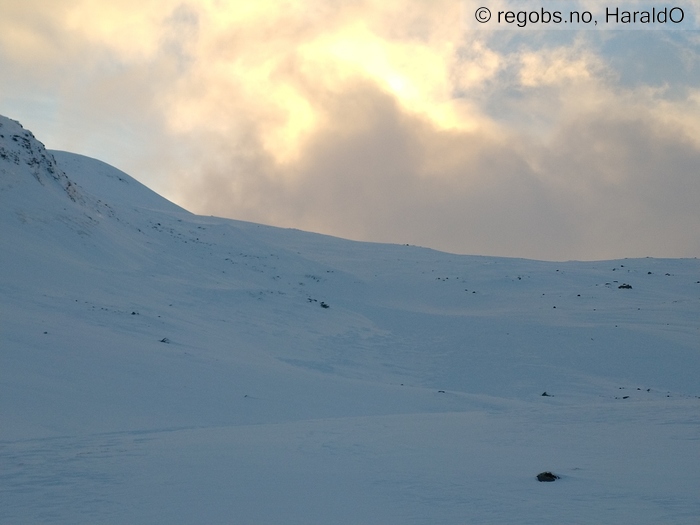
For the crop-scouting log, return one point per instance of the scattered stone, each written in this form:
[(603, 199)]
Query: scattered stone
[(625, 286), (547, 476), (165, 340)]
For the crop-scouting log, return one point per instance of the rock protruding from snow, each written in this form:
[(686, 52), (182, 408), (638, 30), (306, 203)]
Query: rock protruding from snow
[(547, 476), (21, 152)]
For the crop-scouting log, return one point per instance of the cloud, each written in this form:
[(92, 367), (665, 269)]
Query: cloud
[(383, 121)]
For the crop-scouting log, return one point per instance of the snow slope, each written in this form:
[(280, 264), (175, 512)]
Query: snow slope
[(163, 367)]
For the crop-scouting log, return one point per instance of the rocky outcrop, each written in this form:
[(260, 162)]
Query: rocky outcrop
[(18, 148)]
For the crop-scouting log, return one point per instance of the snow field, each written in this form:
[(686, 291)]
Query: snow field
[(163, 367)]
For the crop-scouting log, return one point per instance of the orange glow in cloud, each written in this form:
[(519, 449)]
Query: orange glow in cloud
[(275, 63), (272, 63)]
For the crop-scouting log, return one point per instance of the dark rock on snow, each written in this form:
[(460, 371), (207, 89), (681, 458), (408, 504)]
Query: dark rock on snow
[(547, 476)]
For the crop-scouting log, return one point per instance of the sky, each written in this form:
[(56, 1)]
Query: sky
[(378, 120)]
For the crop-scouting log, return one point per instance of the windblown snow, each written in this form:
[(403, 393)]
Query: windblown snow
[(163, 367)]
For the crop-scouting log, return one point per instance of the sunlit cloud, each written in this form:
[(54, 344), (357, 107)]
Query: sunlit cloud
[(384, 121)]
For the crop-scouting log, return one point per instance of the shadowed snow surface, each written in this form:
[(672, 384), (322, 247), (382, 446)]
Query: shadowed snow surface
[(163, 367)]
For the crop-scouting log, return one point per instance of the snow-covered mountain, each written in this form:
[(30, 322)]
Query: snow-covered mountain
[(162, 367)]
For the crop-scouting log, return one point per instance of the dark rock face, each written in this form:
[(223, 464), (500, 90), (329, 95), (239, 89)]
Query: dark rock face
[(547, 476)]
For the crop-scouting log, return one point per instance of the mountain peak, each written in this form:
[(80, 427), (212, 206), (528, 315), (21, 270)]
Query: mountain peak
[(22, 153)]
